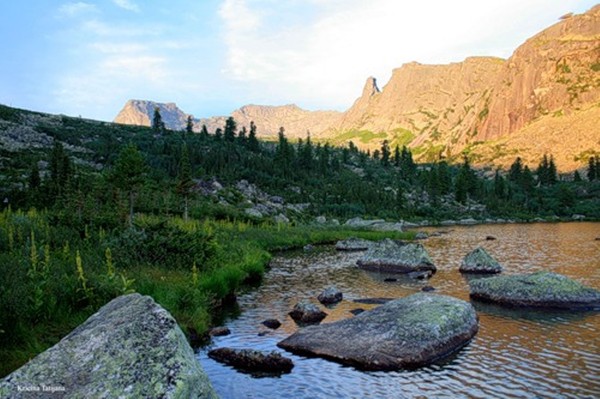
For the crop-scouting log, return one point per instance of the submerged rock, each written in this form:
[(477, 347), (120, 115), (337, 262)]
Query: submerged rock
[(479, 261), (252, 360), (408, 332), (353, 244), (393, 257), (273, 324), (357, 311), (306, 312), (219, 332), (330, 296), (131, 347), (541, 290), (428, 288), (373, 301)]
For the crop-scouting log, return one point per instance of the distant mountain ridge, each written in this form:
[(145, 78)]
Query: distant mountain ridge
[(544, 99), (268, 119)]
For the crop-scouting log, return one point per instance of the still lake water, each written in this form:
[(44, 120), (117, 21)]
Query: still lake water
[(516, 353)]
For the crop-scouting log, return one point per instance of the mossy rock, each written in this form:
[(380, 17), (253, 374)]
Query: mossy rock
[(540, 290), (391, 256), (479, 261), (131, 347), (404, 333)]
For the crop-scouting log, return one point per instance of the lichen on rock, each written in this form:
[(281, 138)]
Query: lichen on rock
[(131, 347), (396, 257), (541, 289), (479, 261), (408, 332)]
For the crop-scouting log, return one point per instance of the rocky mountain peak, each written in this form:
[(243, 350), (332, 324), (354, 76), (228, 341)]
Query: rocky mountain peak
[(370, 88)]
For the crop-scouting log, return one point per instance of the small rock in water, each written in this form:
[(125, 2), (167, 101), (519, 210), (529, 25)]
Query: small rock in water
[(309, 247), (373, 301), (330, 296), (273, 324), (357, 311), (306, 312), (427, 288), (490, 238), (421, 275), (252, 360), (219, 332), (263, 333), (479, 261), (421, 236), (597, 238), (390, 280)]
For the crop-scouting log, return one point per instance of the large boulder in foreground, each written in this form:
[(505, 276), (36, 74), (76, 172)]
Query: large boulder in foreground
[(540, 290), (404, 333), (252, 360), (131, 348), (391, 256), (479, 261)]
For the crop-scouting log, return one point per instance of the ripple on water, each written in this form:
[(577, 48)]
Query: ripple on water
[(516, 354)]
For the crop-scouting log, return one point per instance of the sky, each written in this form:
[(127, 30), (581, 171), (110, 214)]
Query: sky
[(87, 58)]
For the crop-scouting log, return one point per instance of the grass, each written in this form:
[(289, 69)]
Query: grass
[(53, 276)]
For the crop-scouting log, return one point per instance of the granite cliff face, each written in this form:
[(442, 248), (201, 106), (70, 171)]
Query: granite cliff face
[(140, 112)]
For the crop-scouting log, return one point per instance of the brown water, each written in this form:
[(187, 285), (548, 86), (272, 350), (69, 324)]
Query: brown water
[(516, 353)]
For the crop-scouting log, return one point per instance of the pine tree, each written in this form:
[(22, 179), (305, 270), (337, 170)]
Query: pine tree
[(516, 170), (577, 176), (305, 154), (230, 129), (189, 126), (253, 144), (129, 174), (218, 134), (204, 132), (552, 171), (397, 158), (242, 135), (34, 177), (60, 169), (157, 123), (592, 169), (385, 153), (185, 184), (499, 186)]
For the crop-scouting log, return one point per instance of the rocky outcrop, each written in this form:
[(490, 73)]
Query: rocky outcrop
[(479, 261), (252, 360), (268, 119), (353, 244), (330, 296), (306, 312), (131, 347), (141, 112), (408, 332), (539, 290), (395, 257)]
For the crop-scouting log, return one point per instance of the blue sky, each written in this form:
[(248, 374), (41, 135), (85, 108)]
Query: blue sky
[(212, 56)]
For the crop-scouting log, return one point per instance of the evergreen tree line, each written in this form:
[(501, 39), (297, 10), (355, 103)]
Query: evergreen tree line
[(159, 173)]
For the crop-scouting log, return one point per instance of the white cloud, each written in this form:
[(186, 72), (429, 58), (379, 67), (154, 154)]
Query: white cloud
[(128, 5), (321, 53), (74, 9)]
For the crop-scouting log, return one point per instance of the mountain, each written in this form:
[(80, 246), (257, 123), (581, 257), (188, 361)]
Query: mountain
[(545, 98), (268, 119)]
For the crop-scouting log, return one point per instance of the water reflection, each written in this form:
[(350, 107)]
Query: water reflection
[(517, 353)]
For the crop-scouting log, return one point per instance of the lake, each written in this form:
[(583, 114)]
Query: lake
[(516, 353)]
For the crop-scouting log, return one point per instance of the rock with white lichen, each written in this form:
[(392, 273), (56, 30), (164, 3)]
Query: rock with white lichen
[(131, 348), (539, 290), (404, 333)]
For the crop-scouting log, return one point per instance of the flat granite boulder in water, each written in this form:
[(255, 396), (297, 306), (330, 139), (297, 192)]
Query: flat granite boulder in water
[(540, 290), (390, 256), (130, 348), (353, 244), (252, 360), (409, 332), (479, 261)]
